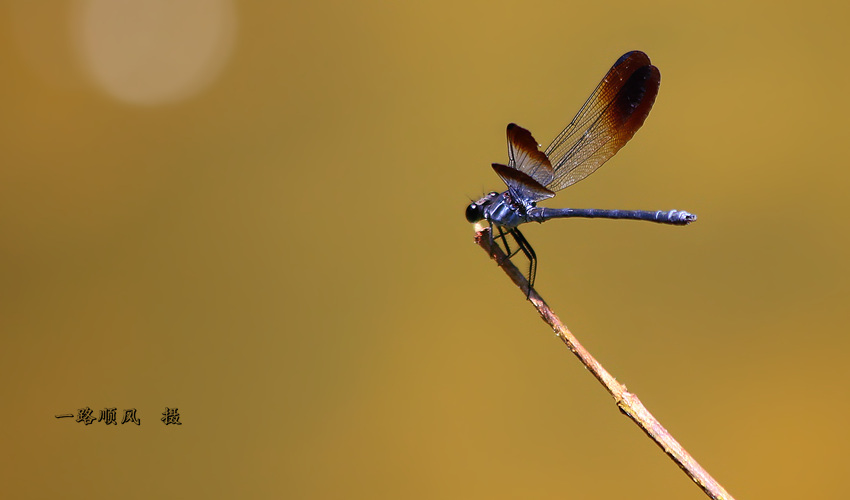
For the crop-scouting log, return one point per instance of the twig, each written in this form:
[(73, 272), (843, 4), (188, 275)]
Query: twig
[(627, 402)]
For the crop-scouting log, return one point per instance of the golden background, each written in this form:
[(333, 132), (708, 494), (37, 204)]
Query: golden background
[(273, 242)]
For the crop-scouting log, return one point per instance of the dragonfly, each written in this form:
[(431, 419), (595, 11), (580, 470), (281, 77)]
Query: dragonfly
[(612, 114)]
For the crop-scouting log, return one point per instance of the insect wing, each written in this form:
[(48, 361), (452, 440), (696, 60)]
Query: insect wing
[(525, 157), (609, 118), (521, 185)]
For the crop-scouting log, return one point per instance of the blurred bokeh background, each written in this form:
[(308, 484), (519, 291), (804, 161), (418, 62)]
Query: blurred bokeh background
[(253, 212)]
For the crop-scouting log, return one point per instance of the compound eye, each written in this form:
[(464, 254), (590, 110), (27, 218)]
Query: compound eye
[(474, 213), (493, 194)]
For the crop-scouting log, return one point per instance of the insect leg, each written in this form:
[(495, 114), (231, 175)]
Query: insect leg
[(525, 246)]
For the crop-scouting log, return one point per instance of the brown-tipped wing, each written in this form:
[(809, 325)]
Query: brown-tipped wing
[(612, 114), (525, 157), (521, 184)]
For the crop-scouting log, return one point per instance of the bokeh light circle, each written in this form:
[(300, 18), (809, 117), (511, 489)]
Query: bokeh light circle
[(150, 52)]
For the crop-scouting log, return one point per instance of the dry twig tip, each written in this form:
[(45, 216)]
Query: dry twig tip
[(628, 403)]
